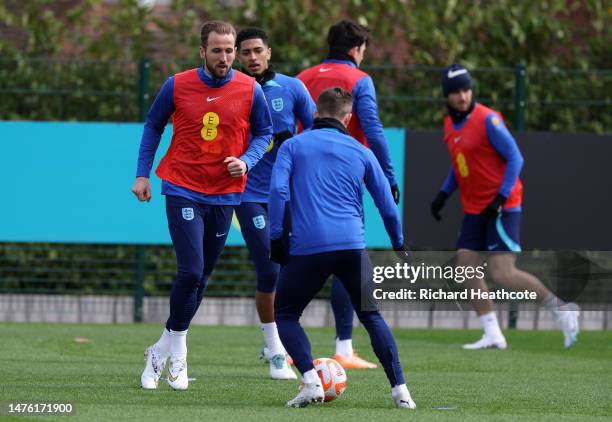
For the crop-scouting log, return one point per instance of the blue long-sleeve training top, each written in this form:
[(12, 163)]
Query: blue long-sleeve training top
[(162, 109), (365, 106), (288, 100), (323, 172), (505, 145)]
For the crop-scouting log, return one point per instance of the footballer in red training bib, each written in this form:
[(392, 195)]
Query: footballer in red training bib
[(479, 169), (329, 75), (210, 124)]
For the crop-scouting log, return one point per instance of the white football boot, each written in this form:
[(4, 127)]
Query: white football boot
[(403, 400), (177, 373), (309, 393), (280, 370), (488, 342), (154, 367), (567, 315)]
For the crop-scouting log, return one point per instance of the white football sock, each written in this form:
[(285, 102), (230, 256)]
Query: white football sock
[(272, 339), (344, 348), (163, 344), (178, 343), (310, 376), (400, 390), (490, 325)]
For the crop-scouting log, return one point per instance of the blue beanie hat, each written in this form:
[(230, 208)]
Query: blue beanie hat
[(454, 78)]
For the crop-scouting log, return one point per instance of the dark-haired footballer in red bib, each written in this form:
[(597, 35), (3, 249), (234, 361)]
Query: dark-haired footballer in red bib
[(486, 163), (347, 42), (203, 174)]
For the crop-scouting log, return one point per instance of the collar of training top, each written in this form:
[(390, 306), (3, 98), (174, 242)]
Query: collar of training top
[(458, 116), (329, 123), (266, 76), (336, 54)]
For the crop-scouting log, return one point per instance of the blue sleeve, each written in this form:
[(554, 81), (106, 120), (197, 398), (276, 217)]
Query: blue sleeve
[(261, 129), (279, 189), (157, 118), (503, 142), (378, 186), (366, 108), (450, 183), (304, 106)]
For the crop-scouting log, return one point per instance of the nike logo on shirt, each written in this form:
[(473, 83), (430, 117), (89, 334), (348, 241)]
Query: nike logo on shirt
[(452, 74), (209, 99), (220, 235), (324, 69)]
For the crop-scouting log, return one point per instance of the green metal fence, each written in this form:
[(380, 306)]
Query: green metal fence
[(114, 270), (409, 96)]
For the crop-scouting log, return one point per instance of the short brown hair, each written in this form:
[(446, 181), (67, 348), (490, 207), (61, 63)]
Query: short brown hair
[(219, 27), (335, 102), (345, 35)]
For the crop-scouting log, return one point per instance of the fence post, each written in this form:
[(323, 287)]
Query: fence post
[(143, 88), (520, 74), (139, 283)]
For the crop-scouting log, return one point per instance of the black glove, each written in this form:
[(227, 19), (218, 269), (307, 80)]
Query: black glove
[(281, 137), (404, 254), (438, 204), (495, 206), (396, 193), (279, 252)]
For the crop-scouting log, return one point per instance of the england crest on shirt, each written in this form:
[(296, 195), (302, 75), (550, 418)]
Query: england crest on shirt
[(259, 221), (188, 213), (277, 104)]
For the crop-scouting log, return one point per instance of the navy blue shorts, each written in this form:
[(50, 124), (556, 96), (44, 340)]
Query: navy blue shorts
[(501, 234), (255, 228), (198, 233)]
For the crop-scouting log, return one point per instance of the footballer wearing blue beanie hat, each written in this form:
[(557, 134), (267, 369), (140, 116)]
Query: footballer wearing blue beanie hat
[(454, 78)]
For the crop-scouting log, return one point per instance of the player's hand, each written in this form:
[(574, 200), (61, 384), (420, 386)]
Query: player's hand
[(279, 252), (142, 189), (437, 205), (495, 206), (404, 254), (235, 166), (396, 193)]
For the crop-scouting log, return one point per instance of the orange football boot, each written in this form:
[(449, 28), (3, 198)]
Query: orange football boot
[(355, 362)]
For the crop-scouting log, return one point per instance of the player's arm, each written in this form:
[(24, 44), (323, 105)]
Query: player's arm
[(156, 121), (366, 108), (279, 195), (261, 130), (448, 187), (304, 106), (378, 186), (505, 145)]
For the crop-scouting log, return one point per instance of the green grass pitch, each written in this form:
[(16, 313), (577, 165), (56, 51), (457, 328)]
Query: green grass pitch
[(535, 379)]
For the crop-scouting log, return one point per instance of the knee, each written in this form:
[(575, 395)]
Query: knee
[(203, 282), (369, 317), (191, 277), (502, 274), (266, 281)]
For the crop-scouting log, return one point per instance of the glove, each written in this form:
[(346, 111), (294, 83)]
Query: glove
[(281, 137), (279, 252), (404, 254), (438, 204), (495, 206), (396, 193)]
